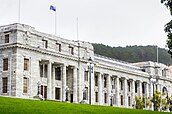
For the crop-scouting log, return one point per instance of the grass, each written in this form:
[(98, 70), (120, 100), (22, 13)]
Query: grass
[(24, 106)]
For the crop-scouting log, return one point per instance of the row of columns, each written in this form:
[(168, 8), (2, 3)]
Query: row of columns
[(51, 83), (118, 92)]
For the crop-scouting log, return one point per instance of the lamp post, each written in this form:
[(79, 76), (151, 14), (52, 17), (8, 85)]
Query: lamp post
[(90, 68), (153, 83), (38, 83), (67, 90)]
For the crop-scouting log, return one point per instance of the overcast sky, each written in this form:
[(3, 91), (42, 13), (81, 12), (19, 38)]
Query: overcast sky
[(111, 22)]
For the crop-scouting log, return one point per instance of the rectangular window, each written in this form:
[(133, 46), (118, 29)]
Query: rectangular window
[(5, 64), (25, 85), (96, 96), (135, 87), (121, 84), (122, 102), (105, 97), (85, 94), (41, 70), (71, 50), (45, 71), (129, 87), (105, 82), (44, 91), (58, 73), (5, 84), (129, 101), (7, 38), (57, 94), (86, 75), (58, 47), (143, 88), (96, 80), (26, 64), (45, 43)]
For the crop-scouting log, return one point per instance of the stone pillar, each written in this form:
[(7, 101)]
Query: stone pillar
[(133, 92), (75, 97), (53, 83), (140, 88), (49, 85), (64, 83), (151, 93), (125, 93), (117, 92), (100, 89), (108, 89)]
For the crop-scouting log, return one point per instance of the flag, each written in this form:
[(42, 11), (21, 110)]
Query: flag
[(52, 8)]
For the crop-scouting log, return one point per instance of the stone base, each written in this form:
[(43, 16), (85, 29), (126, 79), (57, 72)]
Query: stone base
[(83, 102), (38, 97)]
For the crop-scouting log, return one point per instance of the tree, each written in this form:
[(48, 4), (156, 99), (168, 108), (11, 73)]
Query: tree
[(168, 26)]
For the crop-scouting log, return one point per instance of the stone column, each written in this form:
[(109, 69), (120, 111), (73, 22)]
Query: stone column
[(125, 91), (75, 97), (100, 89), (151, 93), (140, 88), (53, 83), (64, 83), (108, 89), (49, 85), (133, 92), (117, 92)]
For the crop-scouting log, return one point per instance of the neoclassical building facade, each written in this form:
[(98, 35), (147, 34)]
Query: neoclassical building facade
[(33, 64)]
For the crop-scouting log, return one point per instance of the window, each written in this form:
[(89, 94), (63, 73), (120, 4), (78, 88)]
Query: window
[(96, 80), (129, 101), (58, 47), (45, 71), (71, 50), (105, 80), (45, 43), (86, 75), (96, 96), (121, 84), (85, 94), (105, 97), (143, 88), (25, 85), (7, 38), (26, 64), (135, 87), (129, 87), (58, 73), (5, 84), (41, 70), (44, 91), (5, 64), (122, 100), (57, 94)]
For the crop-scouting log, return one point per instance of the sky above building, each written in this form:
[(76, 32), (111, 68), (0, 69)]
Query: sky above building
[(111, 22)]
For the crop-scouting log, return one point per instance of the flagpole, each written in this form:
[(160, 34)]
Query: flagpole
[(19, 12), (77, 28), (157, 53), (55, 22)]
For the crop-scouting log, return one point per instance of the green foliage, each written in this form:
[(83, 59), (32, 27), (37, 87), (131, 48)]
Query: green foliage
[(168, 26), (23, 106), (142, 102), (133, 53)]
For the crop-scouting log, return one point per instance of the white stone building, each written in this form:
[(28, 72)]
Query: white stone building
[(61, 69)]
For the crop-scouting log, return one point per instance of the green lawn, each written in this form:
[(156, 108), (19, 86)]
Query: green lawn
[(23, 106)]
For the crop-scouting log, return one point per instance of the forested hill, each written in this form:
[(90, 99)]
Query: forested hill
[(133, 53)]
